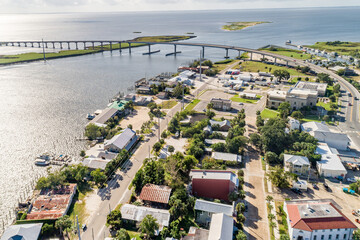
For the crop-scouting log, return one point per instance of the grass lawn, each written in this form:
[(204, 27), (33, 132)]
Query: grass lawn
[(168, 104), (289, 53), (221, 65), (135, 235), (250, 66), (78, 207), (282, 228), (244, 100), (343, 48), (269, 113), (191, 105), (326, 106), (315, 118)]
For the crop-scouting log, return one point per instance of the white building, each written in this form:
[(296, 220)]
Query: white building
[(300, 184), (125, 140), (322, 133), (221, 227), (296, 164), (294, 124), (317, 220), (319, 87), (330, 164)]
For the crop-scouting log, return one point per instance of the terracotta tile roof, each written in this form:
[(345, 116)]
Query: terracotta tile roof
[(310, 223), (155, 193)]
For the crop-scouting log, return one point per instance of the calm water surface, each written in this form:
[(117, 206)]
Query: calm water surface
[(43, 106)]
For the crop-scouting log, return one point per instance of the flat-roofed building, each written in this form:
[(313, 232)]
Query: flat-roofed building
[(330, 164), (205, 209), (221, 104), (319, 87), (297, 98), (275, 98), (216, 184), (317, 220)]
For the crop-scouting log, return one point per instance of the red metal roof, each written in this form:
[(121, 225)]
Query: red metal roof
[(155, 193), (317, 223)]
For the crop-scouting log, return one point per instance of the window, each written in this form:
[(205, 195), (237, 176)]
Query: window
[(337, 236), (330, 230), (344, 236), (322, 237), (314, 238), (330, 237)]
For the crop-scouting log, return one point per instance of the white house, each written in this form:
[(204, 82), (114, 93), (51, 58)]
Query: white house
[(221, 227), (322, 133), (299, 165), (330, 164), (300, 184), (294, 124), (317, 220), (125, 140)]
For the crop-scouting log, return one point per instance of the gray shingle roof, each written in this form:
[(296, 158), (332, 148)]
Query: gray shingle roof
[(22, 231), (298, 160)]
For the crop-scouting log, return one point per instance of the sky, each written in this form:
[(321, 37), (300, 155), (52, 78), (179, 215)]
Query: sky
[(48, 6)]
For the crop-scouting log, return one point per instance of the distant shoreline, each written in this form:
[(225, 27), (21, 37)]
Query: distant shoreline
[(6, 60)]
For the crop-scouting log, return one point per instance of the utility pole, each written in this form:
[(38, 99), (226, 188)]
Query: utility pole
[(43, 49), (200, 64), (159, 126), (78, 228)]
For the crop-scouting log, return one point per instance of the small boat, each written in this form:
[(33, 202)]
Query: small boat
[(90, 116), (43, 160)]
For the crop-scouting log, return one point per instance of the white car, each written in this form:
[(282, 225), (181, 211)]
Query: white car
[(353, 180)]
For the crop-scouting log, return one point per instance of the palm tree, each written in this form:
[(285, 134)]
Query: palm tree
[(148, 226), (272, 224), (269, 198), (63, 223), (271, 216)]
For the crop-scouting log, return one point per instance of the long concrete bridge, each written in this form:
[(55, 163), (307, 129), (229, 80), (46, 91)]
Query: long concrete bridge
[(109, 44)]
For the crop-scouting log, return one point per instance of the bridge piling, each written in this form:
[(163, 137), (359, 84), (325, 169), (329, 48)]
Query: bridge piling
[(18, 44), (12, 44), (203, 52), (68, 43), (46, 45), (93, 45), (84, 45), (120, 47), (175, 49), (53, 43), (239, 54), (110, 46), (60, 45), (32, 44), (149, 47), (251, 56), (227, 53), (76, 45), (129, 48), (25, 44), (275, 60), (102, 46)]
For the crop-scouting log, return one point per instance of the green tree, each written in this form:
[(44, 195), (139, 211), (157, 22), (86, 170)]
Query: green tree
[(240, 218), (271, 216), (336, 88), (210, 114), (297, 115), (284, 237), (122, 234), (92, 131), (236, 143), (98, 176), (284, 109), (271, 157), (356, 234), (281, 74), (279, 177), (324, 77), (178, 209), (63, 223), (241, 235), (171, 149), (219, 147), (148, 226), (273, 136), (240, 207), (269, 198), (82, 153), (157, 146), (47, 229), (326, 118), (233, 196), (114, 220), (255, 139), (178, 91), (259, 121)]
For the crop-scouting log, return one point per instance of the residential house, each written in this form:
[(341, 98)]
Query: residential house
[(143, 90), (95, 163), (221, 227), (135, 214), (52, 203), (210, 142), (299, 165), (125, 140), (330, 164), (107, 114), (294, 124), (222, 125), (205, 209), (321, 132), (221, 104), (226, 157), (130, 97), (29, 231), (158, 194), (317, 220), (216, 184), (162, 95)]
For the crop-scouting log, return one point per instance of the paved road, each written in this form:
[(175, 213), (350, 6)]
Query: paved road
[(117, 191)]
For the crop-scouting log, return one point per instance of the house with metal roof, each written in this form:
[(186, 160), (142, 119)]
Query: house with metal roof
[(132, 213), (222, 125), (22, 232), (299, 165), (227, 157), (221, 227), (215, 184), (317, 219), (125, 140), (321, 132), (152, 193), (205, 209), (330, 164), (105, 115)]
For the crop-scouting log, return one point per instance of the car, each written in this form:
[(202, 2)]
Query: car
[(353, 180), (297, 191), (84, 227), (356, 98), (326, 186)]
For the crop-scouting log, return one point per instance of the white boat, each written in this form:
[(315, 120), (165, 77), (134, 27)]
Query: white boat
[(43, 160), (90, 116)]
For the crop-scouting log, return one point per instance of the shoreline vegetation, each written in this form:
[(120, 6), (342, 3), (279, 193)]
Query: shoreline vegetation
[(342, 48), (236, 26), (33, 56)]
